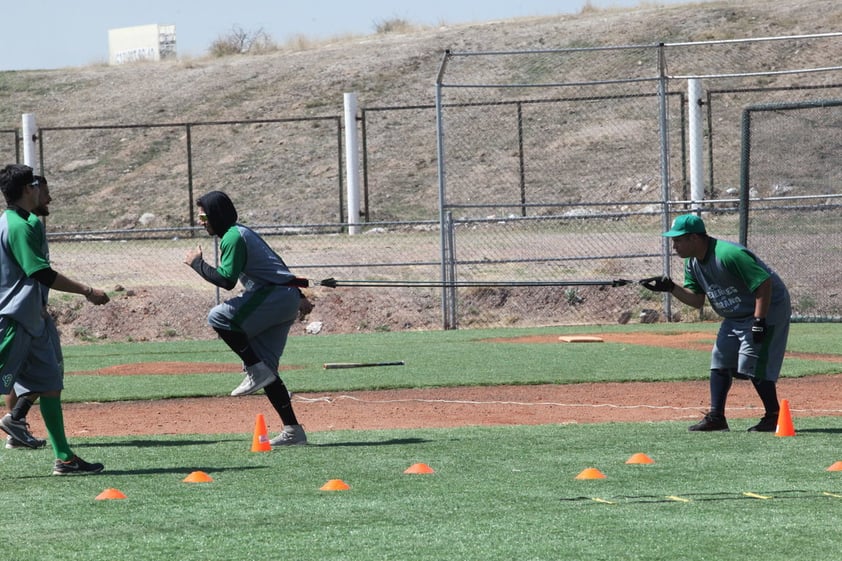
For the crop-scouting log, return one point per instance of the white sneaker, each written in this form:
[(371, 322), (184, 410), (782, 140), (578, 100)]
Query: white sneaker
[(258, 376), (291, 435)]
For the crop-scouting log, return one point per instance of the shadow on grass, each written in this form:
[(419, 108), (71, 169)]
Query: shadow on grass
[(373, 443), (822, 431), (144, 443), (180, 470), (148, 443)]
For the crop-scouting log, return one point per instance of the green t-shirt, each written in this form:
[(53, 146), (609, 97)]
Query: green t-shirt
[(23, 252)]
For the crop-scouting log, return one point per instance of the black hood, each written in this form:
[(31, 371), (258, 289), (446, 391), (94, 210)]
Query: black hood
[(220, 210)]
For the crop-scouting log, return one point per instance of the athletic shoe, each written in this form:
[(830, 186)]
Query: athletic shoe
[(768, 423), (13, 443), (19, 430), (711, 422), (258, 376), (76, 466), (291, 435)]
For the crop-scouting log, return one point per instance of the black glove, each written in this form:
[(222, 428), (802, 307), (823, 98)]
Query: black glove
[(758, 330), (658, 284)]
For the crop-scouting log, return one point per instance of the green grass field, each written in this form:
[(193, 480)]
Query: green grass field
[(497, 492)]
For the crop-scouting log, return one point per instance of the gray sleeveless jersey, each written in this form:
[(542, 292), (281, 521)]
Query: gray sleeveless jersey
[(728, 275)]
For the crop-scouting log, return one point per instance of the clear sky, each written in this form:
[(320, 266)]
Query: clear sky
[(41, 34)]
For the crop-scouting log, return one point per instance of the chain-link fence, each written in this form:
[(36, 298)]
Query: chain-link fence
[(790, 152), (557, 165), (528, 132), (141, 176)]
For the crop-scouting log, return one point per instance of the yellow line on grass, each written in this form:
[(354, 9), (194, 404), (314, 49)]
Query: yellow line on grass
[(604, 501), (679, 499)]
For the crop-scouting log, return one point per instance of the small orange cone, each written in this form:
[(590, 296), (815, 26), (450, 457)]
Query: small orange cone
[(260, 440), (419, 468), (836, 466), (640, 458), (784, 427), (198, 477), (591, 473), (335, 485), (109, 494)]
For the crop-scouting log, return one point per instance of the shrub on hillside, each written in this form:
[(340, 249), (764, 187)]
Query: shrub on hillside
[(393, 25), (239, 41)]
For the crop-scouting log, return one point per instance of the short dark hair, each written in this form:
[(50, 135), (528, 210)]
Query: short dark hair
[(13, 179)]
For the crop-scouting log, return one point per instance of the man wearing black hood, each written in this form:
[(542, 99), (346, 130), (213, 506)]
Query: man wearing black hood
[(255, 324)]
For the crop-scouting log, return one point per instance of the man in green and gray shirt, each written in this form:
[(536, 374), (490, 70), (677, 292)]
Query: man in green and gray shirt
[(754, 304), (30, 353)]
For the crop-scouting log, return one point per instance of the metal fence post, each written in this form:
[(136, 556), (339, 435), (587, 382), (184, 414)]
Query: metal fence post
[(449, 295), (745, 158), (663, 84), (190, 195), (521, 169)]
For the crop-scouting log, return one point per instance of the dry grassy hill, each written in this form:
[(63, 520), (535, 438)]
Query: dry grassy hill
[(392, 69)]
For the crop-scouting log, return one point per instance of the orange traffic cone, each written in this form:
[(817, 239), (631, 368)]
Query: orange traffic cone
[(835, 466), (419, 468), (784, 427), (198, 477), (260, 440), (591, 473), (335, 485), (640, 458), (110, 494)]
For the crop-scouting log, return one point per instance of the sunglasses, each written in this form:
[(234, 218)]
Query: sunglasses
[(203, 217)]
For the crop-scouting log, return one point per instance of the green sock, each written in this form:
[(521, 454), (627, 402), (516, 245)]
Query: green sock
[(54, 421)]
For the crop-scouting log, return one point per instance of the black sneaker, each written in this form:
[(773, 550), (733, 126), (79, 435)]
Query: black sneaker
[(711, 422), (76, 466), (19, 430), (13, 443), (769, 423)]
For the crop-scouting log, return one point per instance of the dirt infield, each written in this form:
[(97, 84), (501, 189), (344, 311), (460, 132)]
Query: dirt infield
[(448, 407)]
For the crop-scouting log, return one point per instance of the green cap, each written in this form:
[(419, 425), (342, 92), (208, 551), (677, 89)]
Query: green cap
[(685, 224)]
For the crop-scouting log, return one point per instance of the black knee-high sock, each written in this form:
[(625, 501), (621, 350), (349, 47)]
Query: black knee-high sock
[(720, 385), (279, 398), (239, 343), (768, 393), (21, 408)]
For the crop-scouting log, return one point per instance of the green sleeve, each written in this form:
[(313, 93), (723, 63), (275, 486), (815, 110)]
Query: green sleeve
[(742, 263), (233, 254), (26, 245)]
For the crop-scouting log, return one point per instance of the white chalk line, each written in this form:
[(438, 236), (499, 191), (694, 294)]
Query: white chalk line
[(332, 399)]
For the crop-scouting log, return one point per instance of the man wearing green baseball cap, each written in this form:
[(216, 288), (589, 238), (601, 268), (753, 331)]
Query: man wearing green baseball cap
[(754, 304), (685, 224)]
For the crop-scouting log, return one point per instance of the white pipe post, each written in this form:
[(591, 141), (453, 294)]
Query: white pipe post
[(697, 172), (30, 142), (352, 163)]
